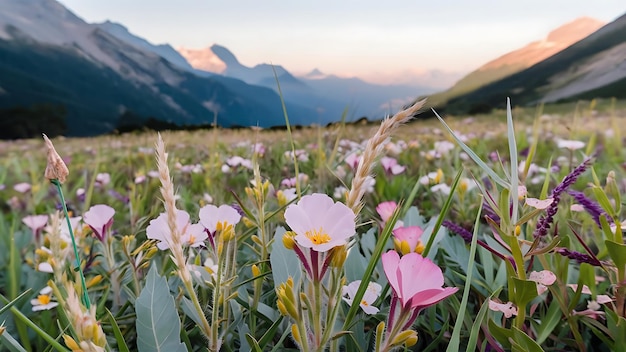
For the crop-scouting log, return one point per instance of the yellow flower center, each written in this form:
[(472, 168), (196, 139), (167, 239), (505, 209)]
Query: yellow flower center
[(318, 236), (363, 302), (43, 299)]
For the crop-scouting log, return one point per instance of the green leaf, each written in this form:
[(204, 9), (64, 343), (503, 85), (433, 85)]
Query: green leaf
[(158, 323), (617, 252), (550, 320), (284, 262), (501, 334), (6, 340), (480, 318), (525, 291), (455, 340), (253, 343), (499, 180), (524, 341), (119, 337)]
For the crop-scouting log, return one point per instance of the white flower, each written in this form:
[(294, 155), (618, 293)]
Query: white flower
[(370, 296), (44, 300), (570, 144)]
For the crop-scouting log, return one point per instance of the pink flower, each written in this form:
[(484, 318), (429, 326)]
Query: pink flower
[(353, 160), (508, 308), (214, 218), (385, 210), (416, 281), (543, 279), (36, 222), (407, 239), (391, 166), (320, 223), (190, 234), (22, 187), (99, 218)]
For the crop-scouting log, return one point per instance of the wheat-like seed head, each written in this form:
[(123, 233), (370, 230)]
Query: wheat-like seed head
[(169, 201), (373, 150)]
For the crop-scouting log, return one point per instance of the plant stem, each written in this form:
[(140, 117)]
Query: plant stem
[(84, 295)]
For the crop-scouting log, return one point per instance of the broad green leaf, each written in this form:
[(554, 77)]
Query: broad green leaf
[(525, 291), (284, 262), (523, 340), (158, 323), (501, 334)]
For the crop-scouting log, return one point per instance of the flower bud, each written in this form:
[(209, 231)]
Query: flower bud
[(255, 270), (405, 337), (56, 168), (339, 255), (288, 240)]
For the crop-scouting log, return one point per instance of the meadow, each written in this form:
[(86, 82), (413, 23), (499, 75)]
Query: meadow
[(499, 232)]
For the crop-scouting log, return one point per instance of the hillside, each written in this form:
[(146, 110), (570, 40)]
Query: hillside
[(520, 59), (592, 67)]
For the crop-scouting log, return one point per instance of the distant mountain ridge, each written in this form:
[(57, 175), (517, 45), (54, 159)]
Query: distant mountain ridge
[(520, 59), (330, 95), (99, 80), (592, 67)]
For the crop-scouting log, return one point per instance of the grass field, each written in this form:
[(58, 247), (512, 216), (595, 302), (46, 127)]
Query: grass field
[(234, 244)]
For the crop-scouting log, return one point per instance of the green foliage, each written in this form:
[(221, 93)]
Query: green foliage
[(158, 325)]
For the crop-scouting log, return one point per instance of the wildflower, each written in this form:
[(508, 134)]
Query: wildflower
[(543, 279), (44, 300), (508, 308), (570, 144), (371, 295), (99, 218), (407, 239), (539, 203), (432, 178), (36, 223), (222, 218), (285, 196), (320, 223), (391, 166), (102, 179), (385, 210), (579, 257), (140, 179), (55, 168), (416, 281), (291, 182), (593, 208), (544, 222), (340, 192), (441, 187), (22, 187), (191, 234), (353, 160)]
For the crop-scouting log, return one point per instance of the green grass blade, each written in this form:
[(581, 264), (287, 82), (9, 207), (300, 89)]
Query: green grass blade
[(455, 341), (24, 319), (480, 318), (443, 213), (499, 180), (514, 176), (119, 337)]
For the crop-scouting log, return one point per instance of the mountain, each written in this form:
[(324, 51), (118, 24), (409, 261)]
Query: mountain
[(95, 80), (592, 67), (329, 95), (520, 59)]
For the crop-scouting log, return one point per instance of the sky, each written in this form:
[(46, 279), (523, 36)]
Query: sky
[(367, 38)]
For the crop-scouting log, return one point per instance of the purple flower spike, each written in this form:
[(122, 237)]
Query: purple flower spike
[(99, 218), (594, 209), (544, 222)]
